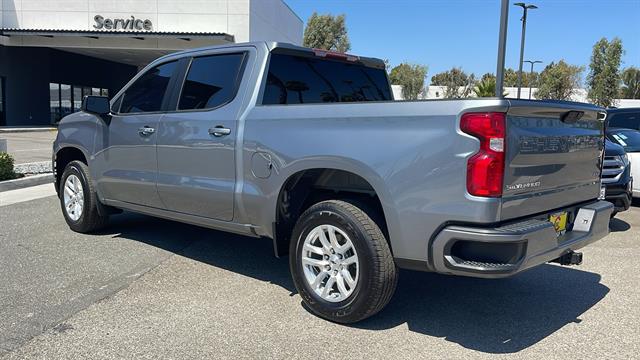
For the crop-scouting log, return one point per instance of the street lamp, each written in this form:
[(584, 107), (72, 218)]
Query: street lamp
[(531, 73), (525, 8)]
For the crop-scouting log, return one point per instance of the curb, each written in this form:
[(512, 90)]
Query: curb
[(26, 182), (19, 130)]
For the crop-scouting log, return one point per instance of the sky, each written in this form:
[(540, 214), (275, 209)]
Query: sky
[(464, 33)]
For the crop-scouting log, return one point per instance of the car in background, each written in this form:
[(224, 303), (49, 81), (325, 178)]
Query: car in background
[(616, 177), (628, 118), (630, 140)]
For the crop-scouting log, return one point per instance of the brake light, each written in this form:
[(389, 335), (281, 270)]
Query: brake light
[(485, 169), (335, 55)]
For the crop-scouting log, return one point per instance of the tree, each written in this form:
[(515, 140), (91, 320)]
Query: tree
[(327, 32), (411, 77), (486, 87), (631, 83), (604, 74), (558, 81), (528, 78), (457, 84), (455, 76)]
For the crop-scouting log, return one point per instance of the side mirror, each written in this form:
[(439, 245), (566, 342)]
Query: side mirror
[(97, 105)]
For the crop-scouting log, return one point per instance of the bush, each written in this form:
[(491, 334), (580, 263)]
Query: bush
[(6, 167)]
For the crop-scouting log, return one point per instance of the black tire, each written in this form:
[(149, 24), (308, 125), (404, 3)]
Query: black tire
[(378, 275), (89, 220)]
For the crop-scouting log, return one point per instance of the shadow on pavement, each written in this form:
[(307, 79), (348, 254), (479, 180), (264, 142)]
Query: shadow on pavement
[(617, 225), (491, 316)]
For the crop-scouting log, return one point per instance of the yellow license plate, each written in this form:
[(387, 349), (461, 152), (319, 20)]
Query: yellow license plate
[(559, 221)]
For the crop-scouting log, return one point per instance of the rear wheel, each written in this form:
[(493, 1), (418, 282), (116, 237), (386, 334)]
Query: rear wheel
[(341, 263), (78, 199)]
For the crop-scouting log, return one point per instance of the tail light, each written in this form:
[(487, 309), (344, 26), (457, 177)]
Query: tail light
[(485, 169)]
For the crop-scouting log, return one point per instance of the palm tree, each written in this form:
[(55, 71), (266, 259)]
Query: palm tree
[(486, 88)]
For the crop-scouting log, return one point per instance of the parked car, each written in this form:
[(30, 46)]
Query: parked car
[(307, 148), (630, 141), (628, 118), (616, 177)]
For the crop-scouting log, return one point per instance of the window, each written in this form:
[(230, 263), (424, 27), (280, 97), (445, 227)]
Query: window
[(304, 80), (62, 97), (211, 81), (77, 98), (146, 93), (629, 139), (625, 120)]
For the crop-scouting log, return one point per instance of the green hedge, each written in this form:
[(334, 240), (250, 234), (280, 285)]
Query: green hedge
[(6, 167)]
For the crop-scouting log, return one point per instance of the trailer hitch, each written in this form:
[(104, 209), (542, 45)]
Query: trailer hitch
[(569, 258)]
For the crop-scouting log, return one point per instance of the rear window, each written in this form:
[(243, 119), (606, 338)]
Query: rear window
[(308, 80), (625, 120), (212, 81)]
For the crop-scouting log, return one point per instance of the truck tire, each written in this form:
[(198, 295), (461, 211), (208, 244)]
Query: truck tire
[(78, 199), (341, 263)]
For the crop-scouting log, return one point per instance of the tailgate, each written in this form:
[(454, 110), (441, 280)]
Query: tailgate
[(553, 155)]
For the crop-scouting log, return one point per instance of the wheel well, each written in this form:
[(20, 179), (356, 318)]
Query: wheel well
[(63, 157), (307, 187)]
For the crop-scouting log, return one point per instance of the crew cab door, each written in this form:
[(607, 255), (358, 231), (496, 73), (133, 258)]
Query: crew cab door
[(196, 142), (126, 162)]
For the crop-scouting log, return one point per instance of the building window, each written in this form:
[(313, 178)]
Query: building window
[(54, 102), (65, 99), (3, 111)]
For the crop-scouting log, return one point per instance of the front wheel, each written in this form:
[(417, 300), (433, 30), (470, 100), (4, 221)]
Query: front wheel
[(341, 263), (78, 199)]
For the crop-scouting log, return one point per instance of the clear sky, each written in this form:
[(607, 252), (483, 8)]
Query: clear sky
[(446, 33)]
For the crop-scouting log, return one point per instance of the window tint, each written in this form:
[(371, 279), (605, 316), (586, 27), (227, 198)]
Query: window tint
[(211, 81), (147, 92), (298, 80), (625, 120)]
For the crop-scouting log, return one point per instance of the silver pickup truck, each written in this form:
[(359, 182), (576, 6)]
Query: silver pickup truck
[(307, 148)]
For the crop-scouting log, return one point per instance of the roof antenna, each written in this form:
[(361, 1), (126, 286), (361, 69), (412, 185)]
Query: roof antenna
[(502, 47)]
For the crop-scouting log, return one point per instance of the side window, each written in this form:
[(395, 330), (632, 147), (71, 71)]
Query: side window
[(115, 107), (212, 81), (627, 121), (308, 80), (146, 94)]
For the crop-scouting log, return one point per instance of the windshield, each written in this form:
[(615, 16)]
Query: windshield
[(629, 139)]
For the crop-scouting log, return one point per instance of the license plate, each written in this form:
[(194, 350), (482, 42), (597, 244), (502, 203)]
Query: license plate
[(559, 221), (603, 193)]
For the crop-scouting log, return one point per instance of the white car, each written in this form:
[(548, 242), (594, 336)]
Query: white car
[(630, 141)]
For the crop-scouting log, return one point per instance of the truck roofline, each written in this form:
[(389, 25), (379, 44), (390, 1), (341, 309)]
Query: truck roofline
[(271, 46)]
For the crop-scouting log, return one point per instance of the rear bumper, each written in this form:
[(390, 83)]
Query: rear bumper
[(507, 250)]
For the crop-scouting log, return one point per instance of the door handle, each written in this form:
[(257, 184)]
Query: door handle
[(146, 131), (219, 131)]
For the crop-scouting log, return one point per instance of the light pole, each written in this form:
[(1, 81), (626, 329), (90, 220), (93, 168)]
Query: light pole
[(525, 8), (531, 73), (502, 46)]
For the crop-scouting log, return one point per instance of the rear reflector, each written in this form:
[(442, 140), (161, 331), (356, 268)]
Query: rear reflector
[(485, 169)]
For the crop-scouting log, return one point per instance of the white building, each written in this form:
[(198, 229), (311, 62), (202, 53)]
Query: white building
[(579, 95), (52, 52)]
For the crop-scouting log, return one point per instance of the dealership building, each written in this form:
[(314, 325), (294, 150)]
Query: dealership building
[(53, 52)]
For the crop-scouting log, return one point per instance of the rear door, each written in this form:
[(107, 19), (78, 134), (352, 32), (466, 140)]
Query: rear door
[(196, 142), (553, 156)]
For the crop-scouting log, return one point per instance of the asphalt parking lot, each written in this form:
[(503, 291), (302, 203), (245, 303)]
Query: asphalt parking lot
[(150, 288), (27, 147)]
